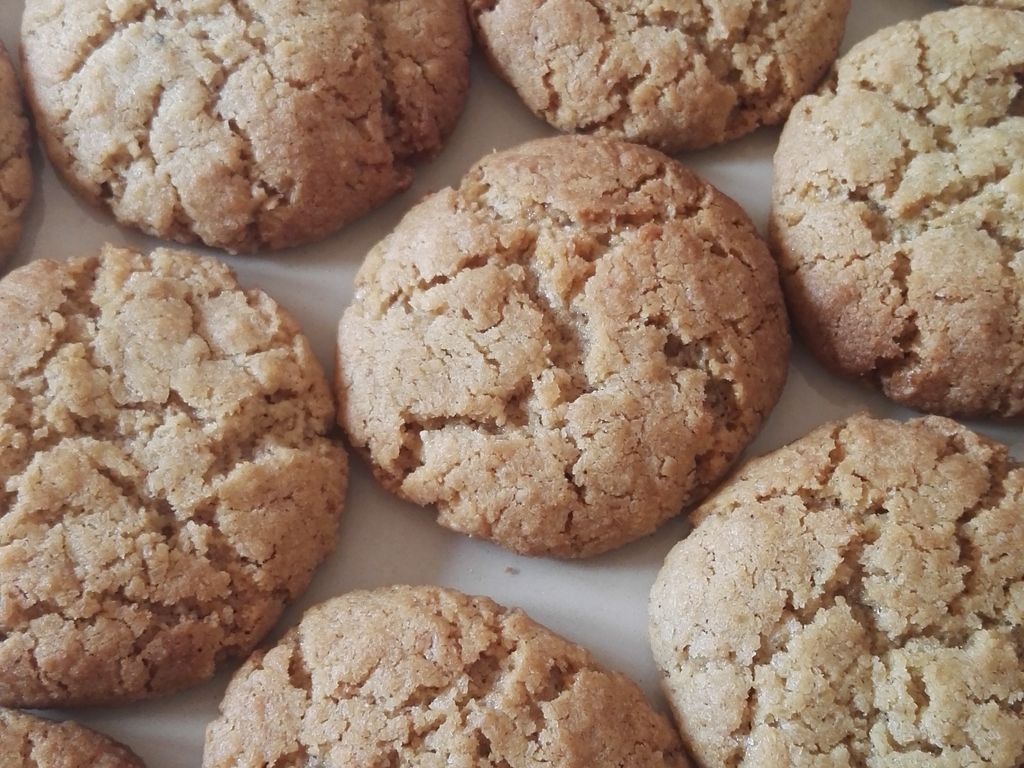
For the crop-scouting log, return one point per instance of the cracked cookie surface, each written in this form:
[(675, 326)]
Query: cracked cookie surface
[(15, 166), (898, 213), (423, 676), (566, 350), (246, 124), (675, 74), (853, 599), (32, 742), (167, 485)]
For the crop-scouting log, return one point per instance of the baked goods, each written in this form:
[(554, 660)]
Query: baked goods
[(899, 213), (167, 483), (32, 742), (566, 350), (855, 598), (15, 166), (675, 76), (417, 676), (245, 125)]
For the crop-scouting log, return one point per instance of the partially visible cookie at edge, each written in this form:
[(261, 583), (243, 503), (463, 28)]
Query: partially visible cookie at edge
[(564, 351), (855, 598), (673, 76), (243, 125), (898, 213), (32, 742), (168, 479), (413, 676), (15, 165)]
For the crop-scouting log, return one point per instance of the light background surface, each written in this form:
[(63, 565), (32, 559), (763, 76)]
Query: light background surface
[(601, 602)]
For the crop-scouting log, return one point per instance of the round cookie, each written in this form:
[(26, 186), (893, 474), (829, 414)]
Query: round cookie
[(566, 350), (262, 124), (417, 676), (168, 485), (15, 166), (853, 599), (898, 214), (32, 742), (676, 77)]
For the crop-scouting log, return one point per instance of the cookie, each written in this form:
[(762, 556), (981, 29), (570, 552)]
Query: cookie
[(15, 166), (31, 742), (855, 598), (564, 351), (168, 485), (260, 124), (417, 676), (678, 76), (898, 215)]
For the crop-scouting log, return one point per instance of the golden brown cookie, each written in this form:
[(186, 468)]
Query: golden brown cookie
[(168, 485), (899, 213), (853, 599), (680, 75), (422, 676), (32, 742), (249, 124), (15, 166), (564, 351)]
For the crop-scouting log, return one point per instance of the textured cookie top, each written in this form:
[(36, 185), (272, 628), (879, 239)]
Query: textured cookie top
[(245, 124), (854, 599), (564, 351), (31, 742), (15, 167), (676, 75), (899, 213), (418, 676), (167, 485)]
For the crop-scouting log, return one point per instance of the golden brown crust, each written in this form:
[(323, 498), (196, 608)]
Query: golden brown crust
[(32, 742), (564, 351), (676, 75), (414, 676), (899, 213), (245, 124), (854, 599), (167, 485), (15, 165)]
